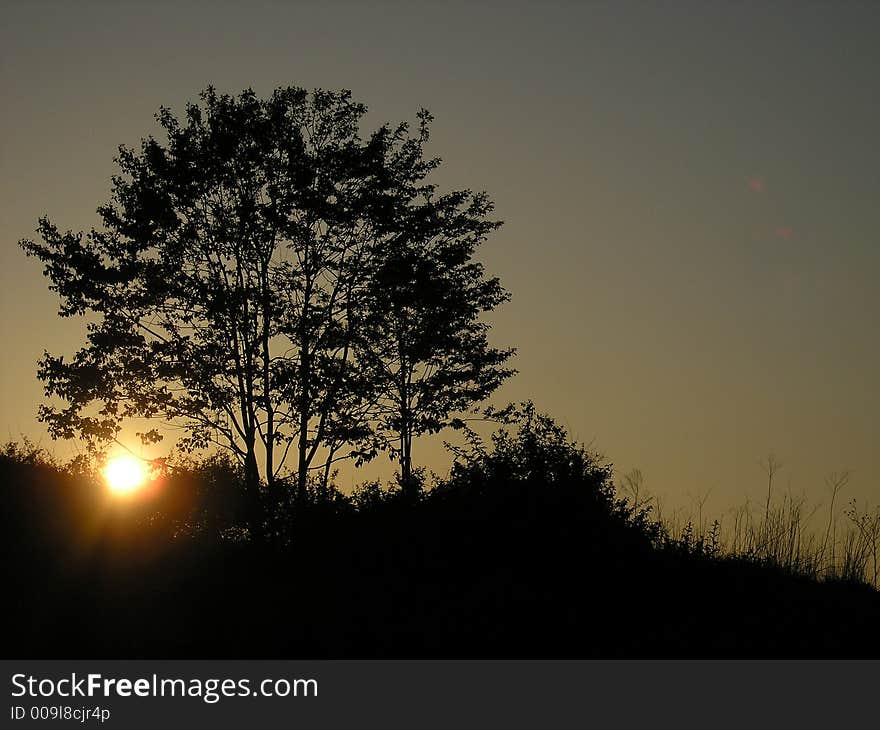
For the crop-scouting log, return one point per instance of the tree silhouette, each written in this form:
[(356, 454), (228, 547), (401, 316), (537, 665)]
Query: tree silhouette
[(427, 350), (235, 289)]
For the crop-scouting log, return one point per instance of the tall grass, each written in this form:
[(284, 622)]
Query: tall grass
[(834, 542)]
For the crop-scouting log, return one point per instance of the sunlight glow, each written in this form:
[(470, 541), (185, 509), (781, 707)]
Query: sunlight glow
[(124, 474)]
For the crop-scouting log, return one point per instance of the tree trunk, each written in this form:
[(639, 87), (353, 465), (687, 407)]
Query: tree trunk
[(325, 479), (407, 482), (253, 501), (406, 478), (303, 461)]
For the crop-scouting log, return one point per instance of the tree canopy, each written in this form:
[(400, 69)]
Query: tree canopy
[(269, 281)]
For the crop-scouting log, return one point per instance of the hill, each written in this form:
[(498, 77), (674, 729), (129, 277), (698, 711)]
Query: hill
[(524, 551)]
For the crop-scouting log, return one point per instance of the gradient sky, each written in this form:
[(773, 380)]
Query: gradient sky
[(689, 190)]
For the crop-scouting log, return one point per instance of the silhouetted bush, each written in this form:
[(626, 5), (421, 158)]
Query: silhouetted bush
[(526, 549)]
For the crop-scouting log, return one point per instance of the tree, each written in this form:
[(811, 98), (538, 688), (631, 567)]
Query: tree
[(231, 282), (427, 349)]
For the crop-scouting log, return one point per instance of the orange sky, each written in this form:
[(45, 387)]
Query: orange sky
[(689, 196)]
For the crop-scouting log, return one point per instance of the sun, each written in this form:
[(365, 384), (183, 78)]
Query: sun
[(125, 473)]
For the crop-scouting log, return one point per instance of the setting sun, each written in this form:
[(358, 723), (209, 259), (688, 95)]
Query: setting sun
[(125, 473)]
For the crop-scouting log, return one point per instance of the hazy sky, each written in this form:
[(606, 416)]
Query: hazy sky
[(689, 190)]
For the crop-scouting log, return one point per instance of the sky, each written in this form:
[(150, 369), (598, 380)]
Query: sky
[(689, 193)]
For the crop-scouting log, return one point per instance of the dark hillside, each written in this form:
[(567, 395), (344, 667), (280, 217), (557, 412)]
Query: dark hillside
[(524, 552)]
